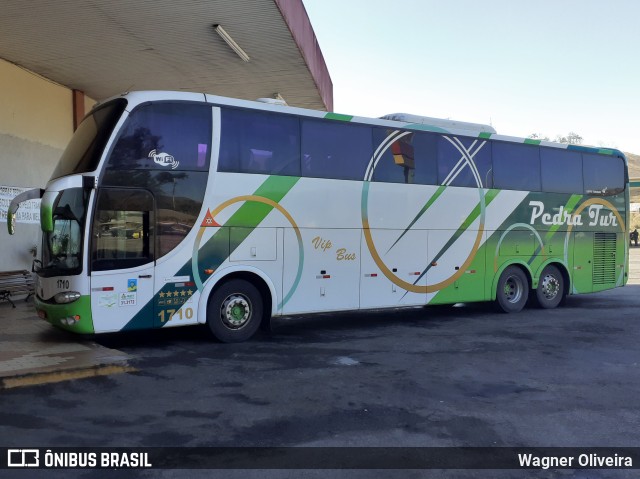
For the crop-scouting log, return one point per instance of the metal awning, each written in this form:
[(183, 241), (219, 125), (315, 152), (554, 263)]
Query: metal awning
[(105, 47)]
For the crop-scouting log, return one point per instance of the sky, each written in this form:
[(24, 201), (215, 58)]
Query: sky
[(547, 66)]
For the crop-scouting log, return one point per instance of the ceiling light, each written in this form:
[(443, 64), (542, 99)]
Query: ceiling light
[(234, 46)]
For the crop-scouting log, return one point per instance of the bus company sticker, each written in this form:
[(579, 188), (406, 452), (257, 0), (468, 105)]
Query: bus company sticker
[(164, 159), (132, 285), (127, 299), (107, 300), (177, 279)]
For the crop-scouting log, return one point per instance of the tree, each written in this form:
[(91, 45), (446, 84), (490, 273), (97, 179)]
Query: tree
[(572, 138)]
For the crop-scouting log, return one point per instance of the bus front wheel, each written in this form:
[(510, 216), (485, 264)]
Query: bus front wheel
[(512, 291), (235, 311), (550, 291)]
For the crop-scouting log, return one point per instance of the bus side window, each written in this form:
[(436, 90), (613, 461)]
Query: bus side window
[(165, 136), (516, 166), (397, 163), (122, 229), (561, 171), (603, 175), (410, 157), (258, 142), (454, 155), (335, 149)]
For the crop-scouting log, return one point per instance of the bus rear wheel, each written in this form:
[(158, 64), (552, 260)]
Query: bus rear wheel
[(235, 311), (550, 291), (512, 291)]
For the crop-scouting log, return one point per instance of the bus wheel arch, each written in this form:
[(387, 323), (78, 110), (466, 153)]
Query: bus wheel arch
[(511, 288), (237, 305), (553, 286)]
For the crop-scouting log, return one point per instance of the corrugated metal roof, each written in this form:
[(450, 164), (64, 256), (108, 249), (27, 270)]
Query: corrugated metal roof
[(104, 47)]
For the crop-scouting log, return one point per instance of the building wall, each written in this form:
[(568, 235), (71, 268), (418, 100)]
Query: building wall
[(36, 123)]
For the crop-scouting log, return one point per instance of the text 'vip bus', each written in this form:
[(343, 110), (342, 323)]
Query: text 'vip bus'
[(168, 209)]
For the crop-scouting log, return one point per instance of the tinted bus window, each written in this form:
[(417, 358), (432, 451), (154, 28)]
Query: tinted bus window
[(561, 171), (516, 166), (409, 158), (334, 149), (122, 229), (397, 162), (87, 144), (454, 155), (178, 196), (257, 142), (165, 136), (426, 150), (603, 175)]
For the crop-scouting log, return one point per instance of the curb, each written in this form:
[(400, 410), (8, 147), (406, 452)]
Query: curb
[(36, 379)]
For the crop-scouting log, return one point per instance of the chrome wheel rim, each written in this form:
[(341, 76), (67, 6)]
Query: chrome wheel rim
[(550, 287), (235, 311)]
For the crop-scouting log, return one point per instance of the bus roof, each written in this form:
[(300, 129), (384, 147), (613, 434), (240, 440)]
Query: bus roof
[(394, 120), (447, 124)]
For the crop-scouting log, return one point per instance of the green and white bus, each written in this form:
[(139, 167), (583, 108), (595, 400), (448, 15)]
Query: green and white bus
[(171, 208)]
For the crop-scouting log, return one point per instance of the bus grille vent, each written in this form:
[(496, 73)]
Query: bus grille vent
[(604, 258)]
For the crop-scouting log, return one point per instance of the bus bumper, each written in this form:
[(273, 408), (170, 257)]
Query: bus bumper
[(74, 317)]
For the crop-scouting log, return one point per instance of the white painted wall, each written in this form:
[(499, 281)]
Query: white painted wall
[(36, 123)]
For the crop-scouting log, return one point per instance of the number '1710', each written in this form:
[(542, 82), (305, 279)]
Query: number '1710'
[(167, 314)]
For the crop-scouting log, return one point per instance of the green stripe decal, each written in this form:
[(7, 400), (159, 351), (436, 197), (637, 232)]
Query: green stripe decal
[(571, 204), (218, 248), (485, 135), (530, 141), (222, 244), (424, 209), (489, 197), (338, 117), (420, 126), (251, 214)]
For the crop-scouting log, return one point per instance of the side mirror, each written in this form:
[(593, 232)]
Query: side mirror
[(34, 194), (11, 222), (46, 211)]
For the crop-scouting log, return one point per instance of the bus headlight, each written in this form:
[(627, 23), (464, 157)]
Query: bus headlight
[(66, 297)]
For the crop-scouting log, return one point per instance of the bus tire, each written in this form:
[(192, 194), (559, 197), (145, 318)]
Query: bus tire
[(512, 291), (235, 311), (550, 291)]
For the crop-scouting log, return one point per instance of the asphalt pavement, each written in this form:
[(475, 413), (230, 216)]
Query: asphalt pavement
[(33, 352), (436, 376)]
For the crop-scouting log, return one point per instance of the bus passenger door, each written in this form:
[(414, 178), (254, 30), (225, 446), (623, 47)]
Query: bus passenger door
[(122, 260)]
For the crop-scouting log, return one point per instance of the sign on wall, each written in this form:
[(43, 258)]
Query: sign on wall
[(29, 211)]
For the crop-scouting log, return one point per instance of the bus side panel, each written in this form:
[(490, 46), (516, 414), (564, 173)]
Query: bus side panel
[(457, 275), (329, 279), (403, 255), (582, 262)]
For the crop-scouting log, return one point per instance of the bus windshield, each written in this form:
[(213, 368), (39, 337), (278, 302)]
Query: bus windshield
[(62, 247), (87, 144)]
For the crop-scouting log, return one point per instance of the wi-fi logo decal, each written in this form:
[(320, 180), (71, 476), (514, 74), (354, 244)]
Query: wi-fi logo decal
[(164, 159)]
